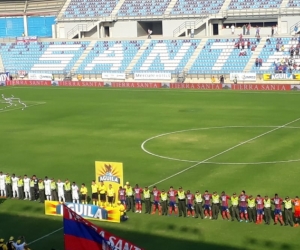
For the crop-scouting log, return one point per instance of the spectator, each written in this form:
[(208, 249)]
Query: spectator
[(297, 52), (272, 31), (282, 48), (253, 48), (242, 53), (258, 38), (248, 44), (248, 29), (277, 47), (256, 62), (213, 79), (236, 45), (149, 33), (268, 40), (235, 80), (292, 51), (260, 62), (257, 31), (10, 242), (222, 79), (232, 29), (192, 33), (2, 245), (244, 29), (243, 45), (241, 37), (296, 29)]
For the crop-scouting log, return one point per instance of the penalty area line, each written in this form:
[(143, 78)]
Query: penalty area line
[(45, 236), (223, 152)]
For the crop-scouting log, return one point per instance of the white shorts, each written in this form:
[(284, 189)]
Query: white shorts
[(26, 189), (61, 194), (2, 186), (75, 196), (47, 191)]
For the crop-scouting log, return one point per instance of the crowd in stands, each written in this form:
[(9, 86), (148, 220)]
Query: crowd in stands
[(244, 44)]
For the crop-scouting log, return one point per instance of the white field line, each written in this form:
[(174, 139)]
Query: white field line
[(45, 236), (12, 109), (169, 90), (225, 151)]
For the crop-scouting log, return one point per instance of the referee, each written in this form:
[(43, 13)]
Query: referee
[(181, 202), (110, 195), (102, 191), (94, 187)]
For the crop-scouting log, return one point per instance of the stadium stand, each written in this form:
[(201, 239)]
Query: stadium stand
[(107, 56), (55, 57), (85, 8), (220, 55), (11, 27), (254, 4), (40, 26), (193, 7), (166, 55), (143, 7)]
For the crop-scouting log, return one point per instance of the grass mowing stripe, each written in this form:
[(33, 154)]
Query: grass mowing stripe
[(45, 236), (225, 151)]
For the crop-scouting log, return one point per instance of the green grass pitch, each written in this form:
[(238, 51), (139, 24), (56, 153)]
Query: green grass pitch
[(65, 130)]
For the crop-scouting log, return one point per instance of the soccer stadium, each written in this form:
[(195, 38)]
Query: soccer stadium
[(177, 121)]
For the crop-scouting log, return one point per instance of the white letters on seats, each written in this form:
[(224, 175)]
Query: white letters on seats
[(114, 55), (161, 50), (49, 55)]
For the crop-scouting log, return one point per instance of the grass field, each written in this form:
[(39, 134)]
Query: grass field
[(66, 130)]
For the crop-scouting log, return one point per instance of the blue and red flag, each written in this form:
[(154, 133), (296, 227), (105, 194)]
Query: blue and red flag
[(80, 234)]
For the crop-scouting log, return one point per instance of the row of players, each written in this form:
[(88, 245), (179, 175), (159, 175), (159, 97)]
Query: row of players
[(243, 207)]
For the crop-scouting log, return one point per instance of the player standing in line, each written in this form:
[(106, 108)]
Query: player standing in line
[(296, 203), (288, 211), (94, 187), (224, 205), (251, 208), (234, 207), (15, 190), (53, 190), (47, 183), (207, 207), (129, 197), (75, 194), (20, 187), (83, 193), (110, 195), (243, 206), (122, 196), (267, 209), (103, 192), (181, 202), (259, 209), (138, 198), (147, 200), (215, 205), (61, 191), (156, 199), (164, 203), (277, 211), (27, 188), (68, 194), (2, 185), (8, 187), (172, 201), (190, 204), (198, 205)]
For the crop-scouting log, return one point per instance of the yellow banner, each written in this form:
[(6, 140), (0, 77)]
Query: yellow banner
[(281, 77), (110, 173), (87, 211)]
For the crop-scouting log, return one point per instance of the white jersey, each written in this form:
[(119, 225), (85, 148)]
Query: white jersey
[(60, 188), (26, 182), (19, 246), (2, 179), (75, 192), (14, 181), (47, 184)]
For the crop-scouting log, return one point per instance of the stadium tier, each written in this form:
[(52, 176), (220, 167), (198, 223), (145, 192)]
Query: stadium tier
[(193, 7), (195, 56), (86, 8), (254, 4)]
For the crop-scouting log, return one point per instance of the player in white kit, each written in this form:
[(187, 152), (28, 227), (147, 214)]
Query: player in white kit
[(2, 185), (26, 182), (47, 184), (75, 194), (61, 191), (15, 189)]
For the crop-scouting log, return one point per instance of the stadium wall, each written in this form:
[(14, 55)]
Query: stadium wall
[(286, 22)]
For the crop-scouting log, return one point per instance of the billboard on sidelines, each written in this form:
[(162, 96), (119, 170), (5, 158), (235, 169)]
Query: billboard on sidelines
[(91, 212), (40, 76), (152, 76), (118, 76), (281, 76), (109, 173), (241, 77)]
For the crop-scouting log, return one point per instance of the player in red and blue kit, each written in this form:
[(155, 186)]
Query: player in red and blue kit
[(190, 203), (243, 206), (277, 211), (224, 204), (138, 198), (172, 201), (122, 196), (156, 198), (259, 209), (207, 206)]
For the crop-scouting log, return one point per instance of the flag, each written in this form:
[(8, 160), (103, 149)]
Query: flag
[(80, 234)]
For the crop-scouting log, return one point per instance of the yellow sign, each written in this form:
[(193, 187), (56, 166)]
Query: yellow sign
[(87, 211), (110, 173), (281, 77)]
